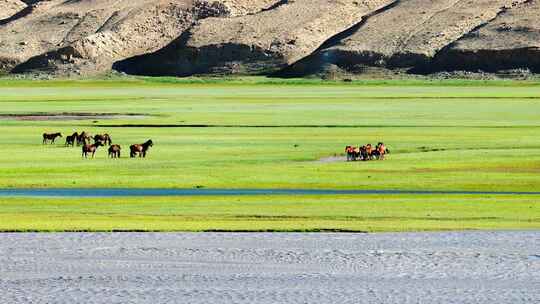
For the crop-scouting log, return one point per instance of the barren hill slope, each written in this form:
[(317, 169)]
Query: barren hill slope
[(186, 37), (87, 37), (10, 8), (258, 43), (416, 30), (511, 41)]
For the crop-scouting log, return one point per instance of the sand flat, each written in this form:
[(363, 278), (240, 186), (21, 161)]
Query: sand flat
[(449, 267)]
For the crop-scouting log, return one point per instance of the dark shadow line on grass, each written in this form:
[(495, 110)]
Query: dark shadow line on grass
[(297, 126), (157, 192), (382, 97), (314, 230)]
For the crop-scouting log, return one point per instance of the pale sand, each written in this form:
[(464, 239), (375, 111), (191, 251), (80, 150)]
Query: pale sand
[(457, 267)]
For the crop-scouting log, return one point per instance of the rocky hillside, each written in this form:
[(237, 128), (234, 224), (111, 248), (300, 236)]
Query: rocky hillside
[(269, 37)]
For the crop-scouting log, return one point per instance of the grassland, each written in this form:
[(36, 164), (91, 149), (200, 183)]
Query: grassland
[(271, 213), (264, 133)]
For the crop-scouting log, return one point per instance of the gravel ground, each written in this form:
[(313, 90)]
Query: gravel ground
[(456, 267)]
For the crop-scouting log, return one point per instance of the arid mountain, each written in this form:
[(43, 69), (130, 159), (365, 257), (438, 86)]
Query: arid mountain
[(271, 37)]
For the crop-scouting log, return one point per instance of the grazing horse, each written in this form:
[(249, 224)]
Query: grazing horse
[(50, 137), (104, 138), (87, 148), (364, 153), (369, 151), (70, 140), (140, 149), (353, 153), (380, 151), (114, 151), (350, 153), (83, 138)]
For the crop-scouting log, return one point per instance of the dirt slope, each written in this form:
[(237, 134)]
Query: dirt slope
[(87, 37), (258, 43), (243, 7), (511, 41), (9, 8), (278, 37), (392, 40)]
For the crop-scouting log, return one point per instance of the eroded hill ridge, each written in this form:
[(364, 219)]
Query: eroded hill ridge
[(267, 37)]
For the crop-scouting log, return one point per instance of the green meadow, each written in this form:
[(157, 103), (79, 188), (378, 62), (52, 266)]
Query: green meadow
[(265, 133)]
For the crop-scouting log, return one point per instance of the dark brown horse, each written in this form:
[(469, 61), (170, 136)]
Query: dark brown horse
[(87, 148), (50, 137), (114, 151), (353, 153), (369, 151), (104, 138), (70, 139), (140, 149), (83, 138)]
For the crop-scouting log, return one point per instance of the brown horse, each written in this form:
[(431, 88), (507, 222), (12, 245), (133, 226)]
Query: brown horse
[(87, 148), (83, 138), (104, 138), (114, 151), (50, 137), (140, 149), (381, 151)]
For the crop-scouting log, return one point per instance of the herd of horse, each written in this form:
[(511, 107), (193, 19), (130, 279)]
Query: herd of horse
[(366, 152), (84, 140)]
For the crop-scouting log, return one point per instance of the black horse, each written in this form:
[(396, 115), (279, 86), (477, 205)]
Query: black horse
[(50, 137), (71, 139)]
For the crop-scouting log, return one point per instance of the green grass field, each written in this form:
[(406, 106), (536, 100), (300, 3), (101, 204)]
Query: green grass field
[(264, 133)]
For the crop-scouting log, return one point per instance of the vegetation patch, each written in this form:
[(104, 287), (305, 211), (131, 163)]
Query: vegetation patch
[(44, 116)]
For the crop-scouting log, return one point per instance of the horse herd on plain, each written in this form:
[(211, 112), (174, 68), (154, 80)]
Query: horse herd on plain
[(366, 152), (84, 140)]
